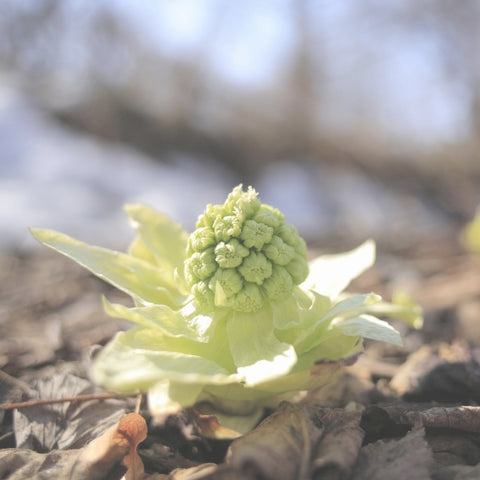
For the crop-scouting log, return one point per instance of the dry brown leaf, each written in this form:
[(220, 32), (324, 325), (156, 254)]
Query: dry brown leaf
[(281, 446), (115, 449), (110, 456), (445, 373), (405, 459), (133, 429), (299, 441), (67, 425), (465, 418), (194, 473), (347, 387), (208, 426), (453, 447), (452, 432), (458, 472), (340, 443)]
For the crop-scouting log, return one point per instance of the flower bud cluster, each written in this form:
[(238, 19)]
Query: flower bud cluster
[(243, 253)]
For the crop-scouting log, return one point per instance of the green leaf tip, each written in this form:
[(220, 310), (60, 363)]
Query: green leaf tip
[(470, 235)]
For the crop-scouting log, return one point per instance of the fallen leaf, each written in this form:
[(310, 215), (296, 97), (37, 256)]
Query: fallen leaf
[(466, 418), (457, 472), (347, 387), (446, 373), (449, 382), (194, 473), (454, 447), (404, 459), (19, 464), (133, 429), (115, 449), (64, 425), (452, 432), (299, 441), (108, 457), (337, 451), (161, 458), (281, 446)]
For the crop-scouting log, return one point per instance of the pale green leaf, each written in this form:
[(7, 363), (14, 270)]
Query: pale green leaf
[(366, 326), (139, 358), (347, 308), (163, 237), (333, 346), (352, 306), (167, 396), (256, 352), (241, 424), (142, 281), (331, 274), (175, 323), (402, 307), (471, 234), (300, 310)]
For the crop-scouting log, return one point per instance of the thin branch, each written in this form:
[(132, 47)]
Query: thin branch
[(78, 398)]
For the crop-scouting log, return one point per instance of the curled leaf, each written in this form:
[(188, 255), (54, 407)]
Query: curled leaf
[(115, 449)]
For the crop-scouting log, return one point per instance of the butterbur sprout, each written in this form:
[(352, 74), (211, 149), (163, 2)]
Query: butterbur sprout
[(232, 315)]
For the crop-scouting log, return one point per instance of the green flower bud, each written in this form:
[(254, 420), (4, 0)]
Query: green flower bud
[(249, 299), (279, 252), (269, 216), (244, 254), (297, 269), (227, 227), (201, 238), (231, 254), (225, 284), (279, 284), (256, 234), (256, 268), (201, 265)]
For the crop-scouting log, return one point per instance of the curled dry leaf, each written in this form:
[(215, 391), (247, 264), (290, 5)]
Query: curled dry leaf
[(194, 473), (404, 459), (336, 453), (457, 472), (299, 441), (111, 455), (465, 418), (280, 447), (115, 449), (451, 432)]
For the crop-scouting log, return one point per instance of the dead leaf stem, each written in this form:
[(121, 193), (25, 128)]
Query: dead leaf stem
[(77, 398)]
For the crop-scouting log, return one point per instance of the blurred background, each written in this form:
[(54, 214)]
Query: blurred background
[(356, 119)]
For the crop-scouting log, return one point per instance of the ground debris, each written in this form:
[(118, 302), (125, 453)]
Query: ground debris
[(110, 456), (403, 459), (65, 425)]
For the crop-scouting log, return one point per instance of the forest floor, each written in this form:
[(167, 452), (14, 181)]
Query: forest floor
[(408, 412)]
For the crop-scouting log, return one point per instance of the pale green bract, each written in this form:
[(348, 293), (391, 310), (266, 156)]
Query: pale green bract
[(471, 234), (233, 314)]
